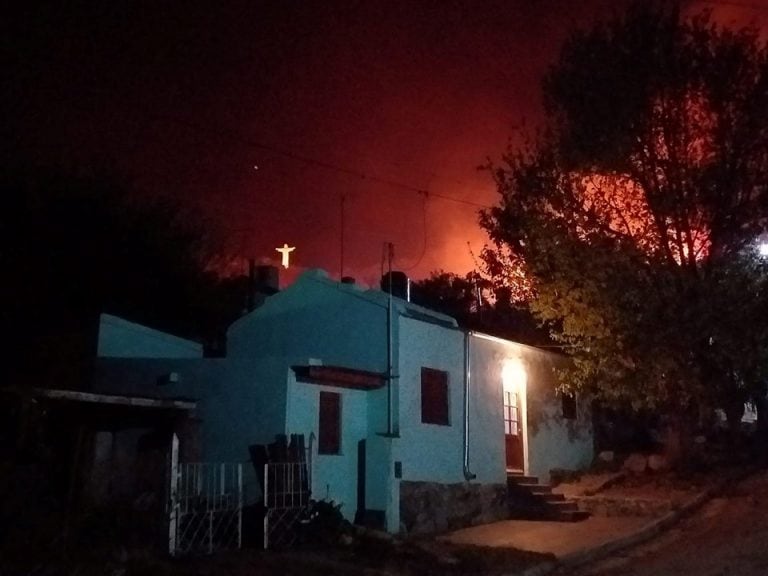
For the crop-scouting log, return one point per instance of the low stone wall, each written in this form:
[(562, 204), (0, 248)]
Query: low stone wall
[(429, 507), (608, 506)]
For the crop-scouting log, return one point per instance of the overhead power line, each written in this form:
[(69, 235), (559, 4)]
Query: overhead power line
[(737, 4), (310, 161)]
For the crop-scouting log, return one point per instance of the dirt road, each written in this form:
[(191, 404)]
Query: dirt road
[(728, 536)]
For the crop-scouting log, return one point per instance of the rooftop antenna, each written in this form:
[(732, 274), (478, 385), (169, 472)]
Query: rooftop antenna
[(341, 239), (389, 249)]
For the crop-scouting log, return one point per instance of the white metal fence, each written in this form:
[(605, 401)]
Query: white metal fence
[(286, 498), (206, 507)]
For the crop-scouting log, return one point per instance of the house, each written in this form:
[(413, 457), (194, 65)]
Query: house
[(411, 422)]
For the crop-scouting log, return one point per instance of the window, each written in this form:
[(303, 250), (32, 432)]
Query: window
[(511, 414), (569, 406), (329, 429), (434, 396)]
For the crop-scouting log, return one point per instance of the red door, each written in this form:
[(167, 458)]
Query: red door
[(513, 437)]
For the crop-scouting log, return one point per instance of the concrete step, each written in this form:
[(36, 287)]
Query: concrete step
[(552, 497), (571, 516), (563, 506), (533, 488), (519, 477), (529, 499)]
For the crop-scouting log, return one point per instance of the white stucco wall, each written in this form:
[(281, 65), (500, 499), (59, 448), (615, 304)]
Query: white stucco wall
[(334, 476), (382, 488), (558, 443), (487, 456), (430, 452), (552, 441)]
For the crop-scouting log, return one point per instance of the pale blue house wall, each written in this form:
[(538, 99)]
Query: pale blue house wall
[(552, 441), (334, 476), (315, 318), (430, 452), (239, 402), (382, 488), (556, 442), (487, 458)]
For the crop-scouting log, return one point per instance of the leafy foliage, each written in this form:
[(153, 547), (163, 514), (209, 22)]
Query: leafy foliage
[(324, 524), (637, 209), (478, 304)]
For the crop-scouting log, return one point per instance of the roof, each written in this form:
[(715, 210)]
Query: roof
[(313, 289), (119, 338), (313, 285), (107, 399), (381, 298)]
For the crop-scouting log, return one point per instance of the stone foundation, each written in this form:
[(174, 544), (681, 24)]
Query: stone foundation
[(429, 507)]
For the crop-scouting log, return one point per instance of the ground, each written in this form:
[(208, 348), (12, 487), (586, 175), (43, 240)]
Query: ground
[(357, 556), (727, 536)]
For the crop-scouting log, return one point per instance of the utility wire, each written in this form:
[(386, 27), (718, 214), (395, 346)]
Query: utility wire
[(737, 4), (333, 167)]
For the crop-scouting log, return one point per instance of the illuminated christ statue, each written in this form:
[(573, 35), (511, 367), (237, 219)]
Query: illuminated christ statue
[(286, 251)]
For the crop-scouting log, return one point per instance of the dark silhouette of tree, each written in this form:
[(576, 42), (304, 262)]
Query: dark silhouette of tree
[(74, 247), (638, 208), (458, 296), (477, 305)]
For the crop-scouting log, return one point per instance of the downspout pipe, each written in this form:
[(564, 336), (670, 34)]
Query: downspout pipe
[(468, 474)]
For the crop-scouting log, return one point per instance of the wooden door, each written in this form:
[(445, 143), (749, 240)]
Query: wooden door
[(513, 435)]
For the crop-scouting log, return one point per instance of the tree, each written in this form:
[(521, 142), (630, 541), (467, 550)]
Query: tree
[(76, 246), (637, 208), (458, 296), (478, 305)]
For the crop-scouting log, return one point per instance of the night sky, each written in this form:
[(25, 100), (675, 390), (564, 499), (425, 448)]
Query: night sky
[(264, 115)]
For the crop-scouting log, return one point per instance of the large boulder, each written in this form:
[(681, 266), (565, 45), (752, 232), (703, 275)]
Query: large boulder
[(606, 456), (636, 463), (658, 462)]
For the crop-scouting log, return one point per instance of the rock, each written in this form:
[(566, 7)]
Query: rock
[(658, 462), (606, 456), (346, 540), (636, 463), (448, 560)]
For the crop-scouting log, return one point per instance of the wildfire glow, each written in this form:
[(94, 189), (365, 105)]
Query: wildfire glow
[(618, 206)]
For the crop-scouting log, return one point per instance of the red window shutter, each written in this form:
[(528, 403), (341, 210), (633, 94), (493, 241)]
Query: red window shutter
[(329, 429), (434, 396)]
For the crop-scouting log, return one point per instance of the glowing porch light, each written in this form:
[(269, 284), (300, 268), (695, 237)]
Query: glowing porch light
[(762, 249), (514, 376)]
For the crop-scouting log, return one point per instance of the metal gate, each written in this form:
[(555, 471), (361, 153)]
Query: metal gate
[(206, 507), (286, 499)]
